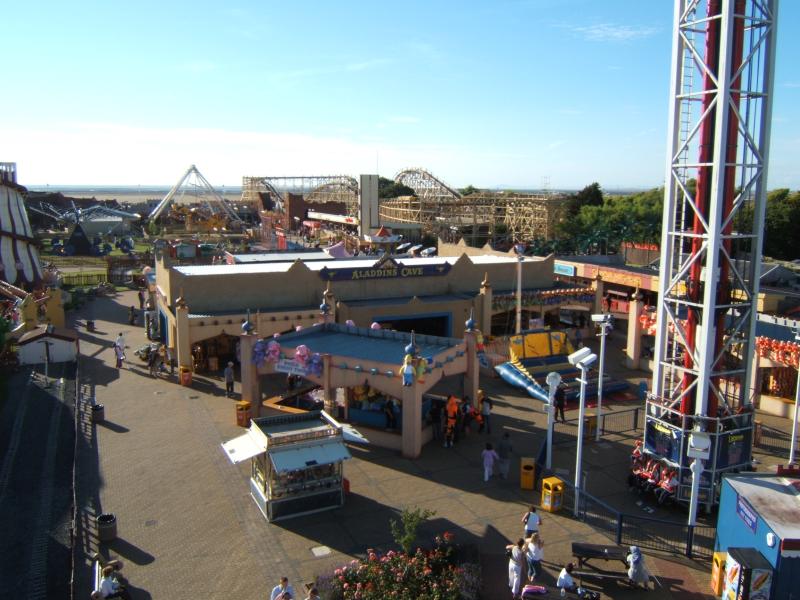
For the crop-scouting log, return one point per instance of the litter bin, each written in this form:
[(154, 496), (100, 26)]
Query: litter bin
[(106, 527), (185, 374), (527, 473), (552, 494), (243, 413), (756, 432), (718, 572), (589, 426), (98, 413), (346, 485)]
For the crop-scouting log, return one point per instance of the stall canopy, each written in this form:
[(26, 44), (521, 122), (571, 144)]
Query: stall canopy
[(243, 447), (294, 459)]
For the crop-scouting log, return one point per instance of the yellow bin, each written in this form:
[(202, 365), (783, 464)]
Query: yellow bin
[(590, 426), (552, 494), (243, 413), (718, 572), (527, 473), (185, 375)]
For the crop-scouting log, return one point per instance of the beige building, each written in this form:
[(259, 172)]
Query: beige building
[(201, 308)]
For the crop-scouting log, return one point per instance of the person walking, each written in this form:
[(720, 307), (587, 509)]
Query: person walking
[(560, 401), (282, 591), (119, 350), (170, 360), (489, 457), (228, 373), (532, 521), (132, 315), (486, 412), (637, 571), (504, 451), (515, 558), (154, 361), (534, 554), (141, 299)]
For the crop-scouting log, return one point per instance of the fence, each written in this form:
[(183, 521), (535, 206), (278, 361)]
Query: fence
[(772, 441), (81, 279), (646, 532), (621, 421)]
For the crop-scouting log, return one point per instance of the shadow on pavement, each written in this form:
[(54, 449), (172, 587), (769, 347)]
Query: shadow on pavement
[(131, 552), (113, 426)]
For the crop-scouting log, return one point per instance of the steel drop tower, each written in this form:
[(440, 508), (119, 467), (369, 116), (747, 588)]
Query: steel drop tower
[(723, 60)]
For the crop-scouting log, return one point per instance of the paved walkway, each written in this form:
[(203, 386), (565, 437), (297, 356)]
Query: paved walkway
[(188, 529)]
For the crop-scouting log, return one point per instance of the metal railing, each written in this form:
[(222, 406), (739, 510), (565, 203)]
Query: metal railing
[(646, 532), (773, 441), (616, 422)]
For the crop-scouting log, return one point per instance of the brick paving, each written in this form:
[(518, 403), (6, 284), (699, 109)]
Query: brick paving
[(187, 527)]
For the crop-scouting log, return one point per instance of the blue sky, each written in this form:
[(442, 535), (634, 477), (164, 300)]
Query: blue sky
[(494, 94)]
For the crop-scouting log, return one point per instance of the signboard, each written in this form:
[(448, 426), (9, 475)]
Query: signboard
[(287, 365), (663, 440), (733, 448), (562, 269), (332, 218), (383, 269), (746, 512)]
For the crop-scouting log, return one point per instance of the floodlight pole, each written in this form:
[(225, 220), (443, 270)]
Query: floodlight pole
[(604, 327), (579, 454), (553, 380), (796, 402), (520, 258)]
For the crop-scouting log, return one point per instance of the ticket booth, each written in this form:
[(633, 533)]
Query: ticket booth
[(296, 463)]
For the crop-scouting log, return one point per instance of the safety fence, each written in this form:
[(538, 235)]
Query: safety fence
[(773, 441), (632, 530), (646, 532), (616, 422), (83, 279)]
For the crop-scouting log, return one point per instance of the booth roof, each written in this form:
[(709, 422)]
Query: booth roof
[(282, 267), (383, 346), (775, 498)]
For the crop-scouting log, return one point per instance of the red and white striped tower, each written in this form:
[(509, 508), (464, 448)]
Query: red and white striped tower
[(715, 193)]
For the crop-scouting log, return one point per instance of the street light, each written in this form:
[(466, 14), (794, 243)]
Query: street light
[(553, 380), (582, 359), (606, 323), (796, 401)]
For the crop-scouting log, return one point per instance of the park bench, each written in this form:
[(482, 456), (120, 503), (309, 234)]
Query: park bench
[(98, 562), (586, 552)]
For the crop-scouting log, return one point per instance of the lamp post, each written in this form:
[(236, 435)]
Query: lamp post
[(582, 359), (605, 321), (519, 249), (553, 380), (796, 402)]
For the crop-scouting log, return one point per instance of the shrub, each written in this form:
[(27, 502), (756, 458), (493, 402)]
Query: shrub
[(425, 575)]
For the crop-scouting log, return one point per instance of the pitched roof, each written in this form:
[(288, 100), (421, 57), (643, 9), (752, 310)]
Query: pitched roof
[(45, 331)]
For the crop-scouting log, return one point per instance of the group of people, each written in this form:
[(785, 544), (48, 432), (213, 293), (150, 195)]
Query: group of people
[(284, 591), (649, 475), (500, 458), (456, 418), (528, 552)]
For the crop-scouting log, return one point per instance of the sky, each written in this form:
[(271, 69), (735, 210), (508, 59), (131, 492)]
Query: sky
[(496, 94)]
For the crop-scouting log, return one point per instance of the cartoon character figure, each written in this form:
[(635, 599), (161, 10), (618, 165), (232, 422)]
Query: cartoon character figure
[(273, 351), (422, 365), (407, 371), (315, 364), (301, 355)]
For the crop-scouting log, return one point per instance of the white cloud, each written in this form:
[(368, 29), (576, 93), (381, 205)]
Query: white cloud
[(611, 32)]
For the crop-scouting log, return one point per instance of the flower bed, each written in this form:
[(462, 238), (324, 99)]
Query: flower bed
[(435, 574)]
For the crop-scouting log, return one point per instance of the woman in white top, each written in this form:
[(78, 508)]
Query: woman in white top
[(531, 520), (534, 553), (515, 567)]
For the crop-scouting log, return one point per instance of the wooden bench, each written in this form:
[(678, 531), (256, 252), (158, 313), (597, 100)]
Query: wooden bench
[(586, 552)]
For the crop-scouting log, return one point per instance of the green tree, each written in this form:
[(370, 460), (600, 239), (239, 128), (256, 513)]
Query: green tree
[(152, 228), (405, 532), (469, 190), (388, 188)]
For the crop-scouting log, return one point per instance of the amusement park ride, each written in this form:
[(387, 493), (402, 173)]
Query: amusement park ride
[(700, 412)]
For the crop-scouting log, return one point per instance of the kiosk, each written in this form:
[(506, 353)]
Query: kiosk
[(296, 463)]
